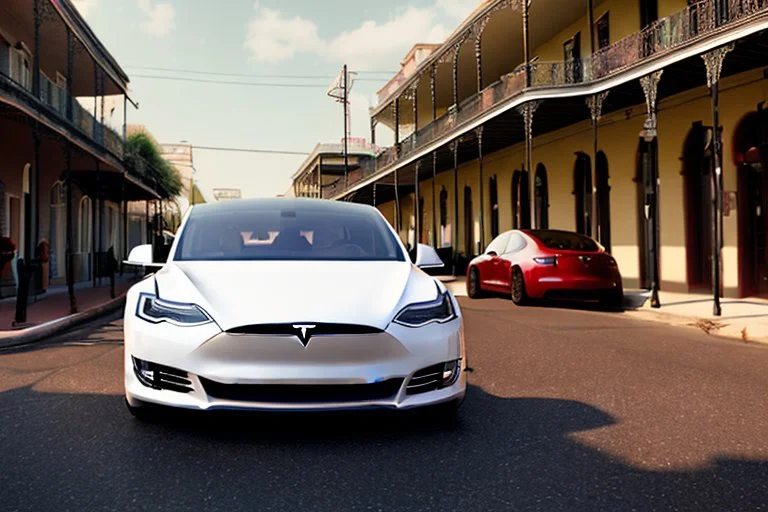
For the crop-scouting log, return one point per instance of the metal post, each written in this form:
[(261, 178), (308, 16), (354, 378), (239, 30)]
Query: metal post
[(482, 202), (70, 228), (94, 223), (101, 224), (416, 210), (455, 242), (70, 72), (37, 20), (478, 50), (374, 195), (146, 226), (434, 199), (650, 85), (591, 19), (346, 128), (396, 114), (397, 207), (33, 222), (374, 122), (125, 227), (320, 177), (432, 90), (527, 111), (526, 42), (415, 94), (456, 50), (595, 105), (714, 64), (125, 119)]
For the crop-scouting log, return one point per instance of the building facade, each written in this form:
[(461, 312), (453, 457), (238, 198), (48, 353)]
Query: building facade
[(592, 116), (326, 172), (63, 182)]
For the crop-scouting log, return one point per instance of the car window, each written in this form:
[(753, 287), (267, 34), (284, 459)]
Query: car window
[(287, 234), (565, 240), (498, 244), (515, 244)]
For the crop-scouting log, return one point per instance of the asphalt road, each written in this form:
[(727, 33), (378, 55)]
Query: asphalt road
[(568, 410)]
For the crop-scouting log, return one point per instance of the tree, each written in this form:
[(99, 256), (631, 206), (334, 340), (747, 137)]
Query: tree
[(143, 159)]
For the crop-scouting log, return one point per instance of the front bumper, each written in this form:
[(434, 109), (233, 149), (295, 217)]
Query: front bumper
[(227, 371)]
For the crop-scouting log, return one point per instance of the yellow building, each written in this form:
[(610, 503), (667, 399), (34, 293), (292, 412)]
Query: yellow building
[(620, 98)]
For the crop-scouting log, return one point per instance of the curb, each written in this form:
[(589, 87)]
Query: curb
[(61, 325), (719, 327)]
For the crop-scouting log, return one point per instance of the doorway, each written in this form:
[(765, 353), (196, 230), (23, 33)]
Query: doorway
[(603, 190), (750, 143), (582, 190), (493, 193), (541, 197), (521, 201), (697, 177), (469, 224)]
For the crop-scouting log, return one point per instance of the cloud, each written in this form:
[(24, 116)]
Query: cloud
[(160, 18), (274, 38), (86, 7)]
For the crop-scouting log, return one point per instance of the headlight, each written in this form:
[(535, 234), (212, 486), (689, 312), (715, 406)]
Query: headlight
[(422, 313), (156, 310)]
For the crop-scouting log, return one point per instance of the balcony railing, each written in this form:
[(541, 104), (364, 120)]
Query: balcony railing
[(55, 98), (695, 21)]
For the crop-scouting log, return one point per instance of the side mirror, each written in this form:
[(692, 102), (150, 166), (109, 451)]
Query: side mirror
[(426, 257), (141, 256)]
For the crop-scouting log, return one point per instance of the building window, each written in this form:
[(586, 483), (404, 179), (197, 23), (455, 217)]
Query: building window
[(572, 58), (602, 29), (649, 12)]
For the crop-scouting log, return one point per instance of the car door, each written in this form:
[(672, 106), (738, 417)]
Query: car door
[(490, 275), (515, 246)]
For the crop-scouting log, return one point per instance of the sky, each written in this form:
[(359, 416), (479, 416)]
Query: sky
[(263, 42)]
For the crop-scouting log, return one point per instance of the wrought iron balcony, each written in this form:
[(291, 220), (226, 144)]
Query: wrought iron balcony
[(696, 22), (53, 102)]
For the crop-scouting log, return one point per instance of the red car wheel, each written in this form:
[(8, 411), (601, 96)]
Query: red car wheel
[(519, 295)]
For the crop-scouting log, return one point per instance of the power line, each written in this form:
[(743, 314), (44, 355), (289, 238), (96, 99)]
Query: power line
[(229, 82), (251, 75), (247, 150)]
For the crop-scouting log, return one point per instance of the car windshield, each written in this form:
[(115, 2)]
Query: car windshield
[(304, 233), (565, 240)]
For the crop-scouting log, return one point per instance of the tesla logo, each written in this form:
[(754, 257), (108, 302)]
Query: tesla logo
[(304, 334)]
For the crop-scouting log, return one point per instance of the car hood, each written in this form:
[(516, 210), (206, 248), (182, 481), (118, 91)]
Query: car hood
[(238, 293)]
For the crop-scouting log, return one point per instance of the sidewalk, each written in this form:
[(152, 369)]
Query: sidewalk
[(52, 308), (743, 319)]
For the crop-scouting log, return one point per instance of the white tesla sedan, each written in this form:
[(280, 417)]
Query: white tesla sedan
[(291, 304)]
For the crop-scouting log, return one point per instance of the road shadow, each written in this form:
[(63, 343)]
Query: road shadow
[(87, 452)]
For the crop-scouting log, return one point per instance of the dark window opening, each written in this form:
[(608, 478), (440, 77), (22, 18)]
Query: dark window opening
[(603, 30), (582, 189), (493, 192), (649, 12), (541, 197), (572, 58)]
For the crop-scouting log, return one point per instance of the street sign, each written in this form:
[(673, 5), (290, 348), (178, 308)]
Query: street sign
[(225, 194)]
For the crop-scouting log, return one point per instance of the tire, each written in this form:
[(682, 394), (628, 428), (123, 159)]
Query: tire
[(473, 284), (518, 292)]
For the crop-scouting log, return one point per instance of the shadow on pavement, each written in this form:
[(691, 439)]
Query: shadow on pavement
[(87, 452)]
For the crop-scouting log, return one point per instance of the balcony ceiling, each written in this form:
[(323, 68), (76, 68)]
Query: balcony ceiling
[(17, 22)]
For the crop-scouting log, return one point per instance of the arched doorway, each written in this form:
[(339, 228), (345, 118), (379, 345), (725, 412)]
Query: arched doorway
[(493, 193), (469, 224), (445, 227), (541, 197), (57, 227), (697, 178), (750, 147), (603, 190), (582, 190), (521, 200)]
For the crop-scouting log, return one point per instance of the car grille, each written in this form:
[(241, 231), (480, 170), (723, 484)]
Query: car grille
[(319, 329), (303, 393), (426, 379), (159, 376)]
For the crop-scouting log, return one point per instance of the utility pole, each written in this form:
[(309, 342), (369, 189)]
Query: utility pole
[(346, 127)]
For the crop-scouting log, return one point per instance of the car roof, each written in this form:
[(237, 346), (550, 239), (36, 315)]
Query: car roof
[(282, 203)]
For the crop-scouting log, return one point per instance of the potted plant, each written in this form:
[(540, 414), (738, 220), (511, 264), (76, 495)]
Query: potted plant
[(42, 255)]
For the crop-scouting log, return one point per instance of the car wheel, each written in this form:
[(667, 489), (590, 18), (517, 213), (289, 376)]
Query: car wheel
[(519, 295), (473, 285), (143, 412)]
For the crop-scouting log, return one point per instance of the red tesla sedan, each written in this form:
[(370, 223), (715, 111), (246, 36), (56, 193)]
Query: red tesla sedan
[(546, 264)]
